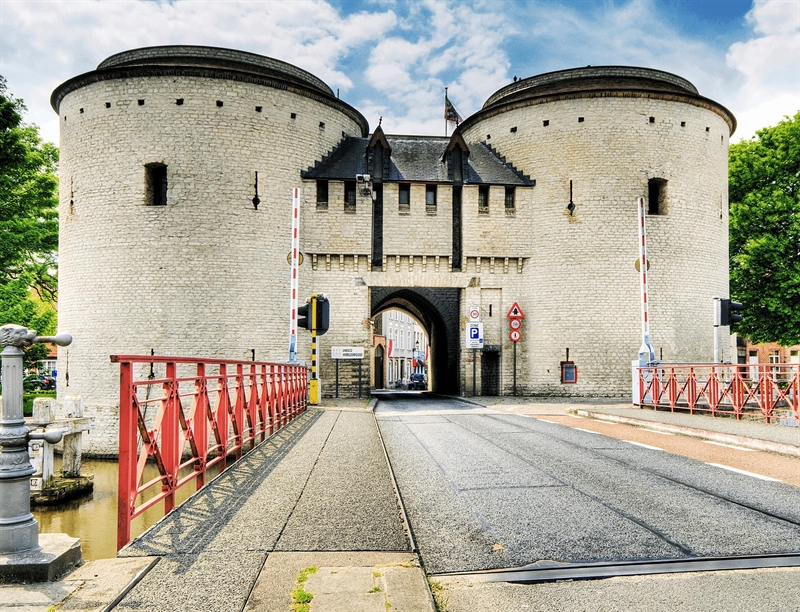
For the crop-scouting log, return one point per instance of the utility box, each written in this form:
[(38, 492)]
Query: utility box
[(569, 373)]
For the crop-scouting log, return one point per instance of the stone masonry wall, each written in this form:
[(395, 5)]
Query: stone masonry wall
[(204, 275)]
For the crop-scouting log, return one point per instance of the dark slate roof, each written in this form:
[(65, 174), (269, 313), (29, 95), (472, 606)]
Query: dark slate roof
[(416, 158)]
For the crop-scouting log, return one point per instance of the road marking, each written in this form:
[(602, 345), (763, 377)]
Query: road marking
[(588, 431), (644, 445), (663, 433), (747, 450), (731, 469)]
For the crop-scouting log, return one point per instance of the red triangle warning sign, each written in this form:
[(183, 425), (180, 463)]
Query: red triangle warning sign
[(515, 312)]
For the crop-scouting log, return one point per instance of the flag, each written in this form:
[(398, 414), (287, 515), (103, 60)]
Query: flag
[(450, 112), (391, 347)]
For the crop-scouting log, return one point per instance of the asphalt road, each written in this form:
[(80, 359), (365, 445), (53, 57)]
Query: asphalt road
[(486, 489)]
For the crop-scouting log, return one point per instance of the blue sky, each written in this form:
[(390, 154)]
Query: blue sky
[(393, 58)]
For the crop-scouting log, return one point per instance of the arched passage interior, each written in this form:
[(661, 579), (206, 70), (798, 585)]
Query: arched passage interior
[(437, 310)]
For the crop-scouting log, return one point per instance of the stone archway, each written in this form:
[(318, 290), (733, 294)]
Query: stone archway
[(437, 310)]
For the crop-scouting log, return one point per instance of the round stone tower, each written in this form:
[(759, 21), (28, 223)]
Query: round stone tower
[(595, 139), (163, 245)]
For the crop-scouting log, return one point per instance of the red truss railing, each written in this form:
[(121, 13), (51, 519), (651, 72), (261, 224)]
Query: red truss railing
[(723, 389), (188, 415)]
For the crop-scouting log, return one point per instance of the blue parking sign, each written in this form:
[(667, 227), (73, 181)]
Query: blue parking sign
[(474, 333)]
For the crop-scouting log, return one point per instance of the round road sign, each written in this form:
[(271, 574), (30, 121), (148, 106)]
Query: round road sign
[(474, 314), (515, 323), (515, 335)]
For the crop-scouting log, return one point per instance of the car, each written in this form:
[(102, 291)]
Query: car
[(418, 382), (47, 383)]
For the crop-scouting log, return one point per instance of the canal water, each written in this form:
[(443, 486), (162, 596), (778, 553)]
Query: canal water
[(93, 517)]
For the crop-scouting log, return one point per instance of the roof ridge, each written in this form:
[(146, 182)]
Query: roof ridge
[(521, 175)]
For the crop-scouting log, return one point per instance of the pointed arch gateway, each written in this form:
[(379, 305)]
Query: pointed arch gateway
[(437, 309)]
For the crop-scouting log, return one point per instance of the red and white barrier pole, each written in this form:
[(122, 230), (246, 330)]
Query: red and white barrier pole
[(646, 353), (294, 264)]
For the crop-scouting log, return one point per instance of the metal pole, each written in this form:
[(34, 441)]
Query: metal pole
[(19, 531), (515, 368), (314, 382), (295, 262), (646, 353), (716, 328), (359, 379), (474, 389), (337, 379)]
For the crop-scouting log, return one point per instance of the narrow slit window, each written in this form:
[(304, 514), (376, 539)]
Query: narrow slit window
[(404, 197), (657, 196), (155, 176), (350, 196), (430, 199), (322, 195), (483, 200), (511, 203)]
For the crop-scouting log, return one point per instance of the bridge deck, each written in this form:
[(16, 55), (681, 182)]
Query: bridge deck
[(320, 484)]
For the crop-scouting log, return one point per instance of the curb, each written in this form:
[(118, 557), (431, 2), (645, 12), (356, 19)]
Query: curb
[(703, 434)]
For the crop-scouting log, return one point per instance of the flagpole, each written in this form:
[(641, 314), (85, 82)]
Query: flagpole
[(445, 111)]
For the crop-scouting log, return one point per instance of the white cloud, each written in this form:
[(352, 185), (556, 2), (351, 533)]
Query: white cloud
[(45, 43), (770, 63), (453, 45)]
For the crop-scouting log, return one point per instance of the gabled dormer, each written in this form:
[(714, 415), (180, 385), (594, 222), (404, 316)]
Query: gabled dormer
[(378, 156), (456, 156)]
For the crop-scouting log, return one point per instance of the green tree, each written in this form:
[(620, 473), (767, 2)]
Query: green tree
[(28, 222), (764, 192)]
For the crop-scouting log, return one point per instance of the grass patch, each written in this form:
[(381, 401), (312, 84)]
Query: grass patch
[(301, 599), (437, 590), (27, 400)]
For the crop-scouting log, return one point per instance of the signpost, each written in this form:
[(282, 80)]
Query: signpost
[(474, 342), (347, 352), (515, 316)]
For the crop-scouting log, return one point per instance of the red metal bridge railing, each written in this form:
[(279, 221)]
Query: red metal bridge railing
[(188, 415), (733, 389)]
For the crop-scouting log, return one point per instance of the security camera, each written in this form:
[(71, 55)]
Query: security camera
[(362, 178)]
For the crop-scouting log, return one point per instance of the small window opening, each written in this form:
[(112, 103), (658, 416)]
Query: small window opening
[(652, 119), (404, 198), (81, 111), (546, 122), (155, 176), (683, 124), (510, 199), (430, 199), (108, 104), (141, 102), (580, 119), (220, 103), (259, 109), (179, 101), (708, 129), (322, 195), (488, 136), (514, 129), (483, 199), (293, 115), (322, 125), (350, 196), (657, 196)]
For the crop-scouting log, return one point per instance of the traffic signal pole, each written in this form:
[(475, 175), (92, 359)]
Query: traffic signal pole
[(313, 389)]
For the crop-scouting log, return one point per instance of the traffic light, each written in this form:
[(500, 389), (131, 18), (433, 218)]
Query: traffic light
[(728, 314), (321, 309), (323, 312), (303, 317)]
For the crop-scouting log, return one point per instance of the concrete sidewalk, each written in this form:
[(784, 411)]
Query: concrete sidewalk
[(311, 511)]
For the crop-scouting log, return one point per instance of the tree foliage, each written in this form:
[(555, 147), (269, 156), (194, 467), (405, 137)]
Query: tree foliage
[(28, 222), (764, 194)]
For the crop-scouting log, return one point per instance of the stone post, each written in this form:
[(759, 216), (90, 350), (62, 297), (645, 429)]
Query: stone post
[(19, 531)]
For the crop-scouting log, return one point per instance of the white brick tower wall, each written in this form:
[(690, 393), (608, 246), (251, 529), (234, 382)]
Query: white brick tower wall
[(206, 274)]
